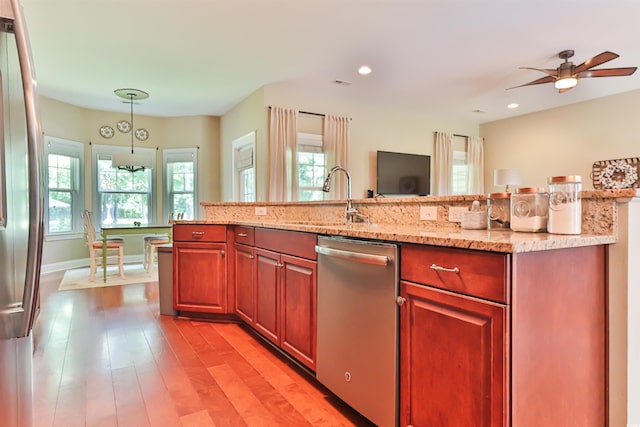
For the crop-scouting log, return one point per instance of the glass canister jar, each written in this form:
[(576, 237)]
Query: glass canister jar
[(529, 209), (498, 211), (565, 205)]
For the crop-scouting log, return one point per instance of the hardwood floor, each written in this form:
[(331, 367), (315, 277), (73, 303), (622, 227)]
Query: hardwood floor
[(106, 357)]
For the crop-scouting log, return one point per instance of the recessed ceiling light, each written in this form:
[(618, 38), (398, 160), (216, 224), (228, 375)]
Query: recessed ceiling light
[(513, 105), (341, 82), (364, 70)]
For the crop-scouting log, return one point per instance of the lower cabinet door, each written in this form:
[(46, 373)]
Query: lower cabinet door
[(200, 277), (268, 294), (244, 267), (298, 313), (453, 359)]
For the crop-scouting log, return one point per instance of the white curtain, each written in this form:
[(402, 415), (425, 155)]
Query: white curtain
[(336, 144), (475, 160), (282, 169), (444, 164)]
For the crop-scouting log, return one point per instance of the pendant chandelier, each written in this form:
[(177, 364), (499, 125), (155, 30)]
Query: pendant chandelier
[(130, 161)]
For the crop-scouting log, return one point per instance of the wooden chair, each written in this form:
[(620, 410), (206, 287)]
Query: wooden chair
[(151, 244), (115, 247)]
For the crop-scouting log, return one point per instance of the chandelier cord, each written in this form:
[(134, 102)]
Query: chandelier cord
[(131, 104)]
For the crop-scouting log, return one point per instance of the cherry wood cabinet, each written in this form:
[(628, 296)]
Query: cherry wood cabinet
[(276, 290), (490, 339), (200, 268), (454, 359), (245, 281)]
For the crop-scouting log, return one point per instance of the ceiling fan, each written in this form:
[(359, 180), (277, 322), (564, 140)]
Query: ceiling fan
[(566, 76)]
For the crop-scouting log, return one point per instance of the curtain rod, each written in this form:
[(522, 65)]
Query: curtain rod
[(307, 112), (455, 134), (312, 114)]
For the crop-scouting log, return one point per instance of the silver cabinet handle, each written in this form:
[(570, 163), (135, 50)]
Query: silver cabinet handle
[(354, 256), (251, 257), (449, 270), (279, 265), (400, 301), (242, 234), (197, 234), (222, 252)]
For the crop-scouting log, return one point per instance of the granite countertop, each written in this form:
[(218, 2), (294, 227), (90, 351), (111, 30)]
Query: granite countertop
[(495, 241)]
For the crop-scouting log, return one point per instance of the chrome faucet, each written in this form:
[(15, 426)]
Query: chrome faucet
[(350, 211)]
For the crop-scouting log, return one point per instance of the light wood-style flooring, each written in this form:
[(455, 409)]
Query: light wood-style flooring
[(106, 357)]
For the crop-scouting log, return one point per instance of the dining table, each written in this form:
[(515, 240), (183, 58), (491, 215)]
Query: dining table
[(125, 230)]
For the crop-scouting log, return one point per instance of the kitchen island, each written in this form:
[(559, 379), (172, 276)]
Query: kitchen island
[(534, 324)]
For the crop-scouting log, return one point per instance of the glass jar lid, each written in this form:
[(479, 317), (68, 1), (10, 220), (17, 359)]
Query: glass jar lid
[(565, 178), (499, 195), (531, 190)]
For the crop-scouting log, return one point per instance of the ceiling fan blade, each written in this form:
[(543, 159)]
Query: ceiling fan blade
[(565, 90), (546, 79), (551, 72), (608, 72), (596, 60)]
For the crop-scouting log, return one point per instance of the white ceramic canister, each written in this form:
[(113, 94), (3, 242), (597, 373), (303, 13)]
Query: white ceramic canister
[(529, 209), (565, 205)]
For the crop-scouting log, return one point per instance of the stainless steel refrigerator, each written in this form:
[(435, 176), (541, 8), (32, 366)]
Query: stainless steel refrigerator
[(21, 216)]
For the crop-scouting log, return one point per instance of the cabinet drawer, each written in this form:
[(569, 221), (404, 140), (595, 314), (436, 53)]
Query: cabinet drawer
[(294, 243), (479, 274), (244, 235), (199, 233)]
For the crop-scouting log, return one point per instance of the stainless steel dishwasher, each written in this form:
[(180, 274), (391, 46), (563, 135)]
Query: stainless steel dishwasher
[(357, 342)]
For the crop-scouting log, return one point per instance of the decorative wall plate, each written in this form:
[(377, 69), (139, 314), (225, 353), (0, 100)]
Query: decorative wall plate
[(124, 126), (616, 174), (142, 134), (106, 132)]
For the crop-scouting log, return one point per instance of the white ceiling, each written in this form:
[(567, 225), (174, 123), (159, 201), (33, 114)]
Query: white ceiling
[(434, 57)]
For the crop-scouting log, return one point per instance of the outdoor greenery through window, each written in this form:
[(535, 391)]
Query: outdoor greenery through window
[(310, 175), (64, 195), (181, 186), (180, 182), (311, 167), (123, 197)]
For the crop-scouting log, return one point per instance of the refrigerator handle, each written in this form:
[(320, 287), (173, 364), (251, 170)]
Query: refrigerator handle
[(36, 183), (3, 175)]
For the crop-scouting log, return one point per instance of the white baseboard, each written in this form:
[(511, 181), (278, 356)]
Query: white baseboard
[(84, 262)]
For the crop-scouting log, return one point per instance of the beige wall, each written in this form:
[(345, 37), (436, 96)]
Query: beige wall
[(249, 115), (563, 141), (80, 124)]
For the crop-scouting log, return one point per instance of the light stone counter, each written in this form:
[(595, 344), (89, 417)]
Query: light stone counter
[(398, 220)]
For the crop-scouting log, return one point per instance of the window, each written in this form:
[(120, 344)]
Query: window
[(311, 167), (122, 197), (460, 169), (244, 186), (180, 182), (64, 192)]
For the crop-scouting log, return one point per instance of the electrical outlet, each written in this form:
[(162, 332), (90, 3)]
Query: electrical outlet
[(261, 210), (428, 213), (455, 213)]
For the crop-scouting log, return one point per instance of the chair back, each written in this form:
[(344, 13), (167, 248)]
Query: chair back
[(89, 228)]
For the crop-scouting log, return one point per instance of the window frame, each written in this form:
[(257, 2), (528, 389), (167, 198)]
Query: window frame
[(69, 148), (245, 142), (110, 150), (174, 155)]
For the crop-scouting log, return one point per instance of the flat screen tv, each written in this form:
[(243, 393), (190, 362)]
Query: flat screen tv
[(403, 174)]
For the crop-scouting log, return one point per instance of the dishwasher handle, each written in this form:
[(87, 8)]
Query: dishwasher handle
[(354, 256)]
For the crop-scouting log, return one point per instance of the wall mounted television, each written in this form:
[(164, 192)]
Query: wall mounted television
[(403, 174)]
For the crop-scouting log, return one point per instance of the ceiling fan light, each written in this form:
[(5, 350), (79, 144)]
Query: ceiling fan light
[(566, 83)]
